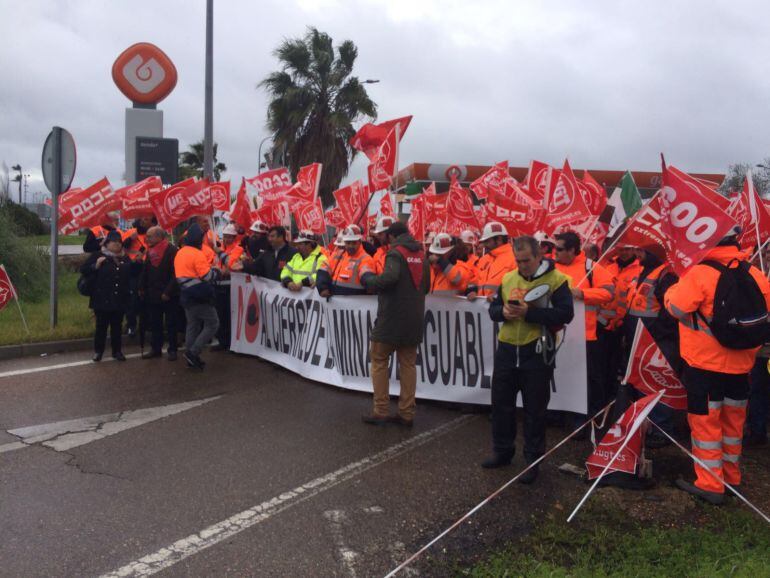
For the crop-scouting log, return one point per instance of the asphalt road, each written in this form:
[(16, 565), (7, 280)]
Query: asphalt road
[(266, 474)]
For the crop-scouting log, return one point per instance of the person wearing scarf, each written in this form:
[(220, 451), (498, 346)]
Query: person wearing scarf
[(110, 297), (160, 293)]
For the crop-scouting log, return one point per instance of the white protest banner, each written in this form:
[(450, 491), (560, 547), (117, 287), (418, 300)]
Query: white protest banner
[(328, 341)]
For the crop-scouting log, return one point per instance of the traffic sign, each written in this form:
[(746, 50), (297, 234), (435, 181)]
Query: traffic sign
[(66, 164)]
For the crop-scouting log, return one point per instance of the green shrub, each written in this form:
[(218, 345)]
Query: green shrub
[(27, 222), (27, 265)]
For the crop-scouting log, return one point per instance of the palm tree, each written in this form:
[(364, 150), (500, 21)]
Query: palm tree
[(191, 163), (314, 103)]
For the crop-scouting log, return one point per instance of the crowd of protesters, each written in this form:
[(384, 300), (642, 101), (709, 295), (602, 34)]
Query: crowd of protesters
[(140, 275)]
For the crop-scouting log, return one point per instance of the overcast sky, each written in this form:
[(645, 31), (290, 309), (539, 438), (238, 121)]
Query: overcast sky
[(608, 84)]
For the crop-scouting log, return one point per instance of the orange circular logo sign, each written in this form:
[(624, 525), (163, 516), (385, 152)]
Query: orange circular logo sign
[(144, 73)]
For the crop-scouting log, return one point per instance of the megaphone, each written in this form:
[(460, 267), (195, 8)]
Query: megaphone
[(538, 296)]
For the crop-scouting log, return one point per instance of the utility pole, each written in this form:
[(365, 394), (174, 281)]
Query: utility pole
[(18, 178), (208, 120)]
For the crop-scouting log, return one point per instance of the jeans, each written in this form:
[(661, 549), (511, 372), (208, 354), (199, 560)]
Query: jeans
[(113, 320), (202, 325), (160, 315)]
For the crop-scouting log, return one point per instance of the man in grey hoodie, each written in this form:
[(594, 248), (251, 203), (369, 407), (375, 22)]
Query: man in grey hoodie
[(401, 290)]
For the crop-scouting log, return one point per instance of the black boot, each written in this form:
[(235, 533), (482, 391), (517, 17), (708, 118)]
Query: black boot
[(529, 476), (497, 461)]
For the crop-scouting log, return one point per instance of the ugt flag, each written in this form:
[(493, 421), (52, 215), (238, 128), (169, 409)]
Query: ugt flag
[(7, 290)]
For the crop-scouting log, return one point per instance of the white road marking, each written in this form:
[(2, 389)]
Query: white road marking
[(65, 435), (374, 510), (29, 370), (216, 533), (347, 557)]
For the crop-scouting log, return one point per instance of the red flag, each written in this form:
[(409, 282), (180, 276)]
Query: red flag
[(386, 206), (351, 201), (135, 198), (541, 179), (565, 205), (272, 214), (305, 190), (240, 212), (649, 371), (271, 186), (459, 211), (492, 180), (753, 217), (7, 290), (416, 223), (67, 200), (594, 195), (220, 195), (172, 205), (628, 426), (199, 198), (435, 212), (93, 203), (382, 169), (310, 216), (698, 185), (334, 218), (520, 214), (370, 137)]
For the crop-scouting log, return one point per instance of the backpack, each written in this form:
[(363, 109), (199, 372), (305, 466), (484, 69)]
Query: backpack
[(740, 318), (86, 284)]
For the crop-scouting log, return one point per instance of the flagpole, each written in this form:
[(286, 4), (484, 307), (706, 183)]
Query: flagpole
[(752, 202), (15, 298), (645, 412)]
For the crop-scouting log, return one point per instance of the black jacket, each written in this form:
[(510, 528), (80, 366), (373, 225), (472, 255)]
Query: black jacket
[(111, 289), (155, 281), (269, 265)]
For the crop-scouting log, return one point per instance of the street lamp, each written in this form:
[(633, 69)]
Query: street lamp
[(259, 153), (369, 81)]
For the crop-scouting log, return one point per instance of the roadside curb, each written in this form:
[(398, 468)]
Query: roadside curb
[(46, 347)]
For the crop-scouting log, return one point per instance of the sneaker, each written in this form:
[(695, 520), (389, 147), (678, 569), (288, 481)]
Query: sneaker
[(529, 476), (193, 361), (374, 419), (714, 498), (151, 354), (402, 421), (118, 356), (497, 461), (172, 355)]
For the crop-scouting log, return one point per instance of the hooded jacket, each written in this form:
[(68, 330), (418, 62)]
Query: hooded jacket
[(400, 305)]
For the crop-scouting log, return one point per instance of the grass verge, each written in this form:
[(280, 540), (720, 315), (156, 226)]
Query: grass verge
[(45, 240), (609, 543), (75, 318)]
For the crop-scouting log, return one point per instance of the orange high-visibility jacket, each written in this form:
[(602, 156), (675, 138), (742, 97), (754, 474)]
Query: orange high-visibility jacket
[(493, 267), (101, 232), (625, 278), (450, 280), (379, 258), (695, 293), (597, 288), (190, 263), (641, 295), (134, 248), (347, 272), (228, 257)]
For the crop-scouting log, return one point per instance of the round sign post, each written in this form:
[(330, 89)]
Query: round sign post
[(59, 162)]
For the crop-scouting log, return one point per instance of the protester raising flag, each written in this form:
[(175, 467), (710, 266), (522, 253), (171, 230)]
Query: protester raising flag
[(625, 200), (650, 372)]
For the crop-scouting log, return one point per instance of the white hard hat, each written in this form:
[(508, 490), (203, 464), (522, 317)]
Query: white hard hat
[(259, 227), (230, 230), (542, 237), (493, 229), (352, 233), (442, 244), (382, 224), (469, 237), (306, 237), (338, 242)]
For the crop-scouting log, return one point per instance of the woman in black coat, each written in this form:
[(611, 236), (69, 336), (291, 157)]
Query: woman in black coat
[(110, 296)]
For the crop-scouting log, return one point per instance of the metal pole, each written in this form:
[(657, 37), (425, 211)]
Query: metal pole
[(208, 122), (57, 175), (259, 154)]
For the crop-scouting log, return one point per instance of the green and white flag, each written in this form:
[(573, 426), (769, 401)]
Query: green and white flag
[(626, 200)]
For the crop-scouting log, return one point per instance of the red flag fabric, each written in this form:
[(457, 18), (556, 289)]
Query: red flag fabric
[(492, 180), (272, 214), (521, 214), (594, 195), (310, 216), (305, 190), (7, 290), (199, 198), (334, 218), (650, 372), (370, 137), (93, 203), (386, 206), (749, 212), (351, 201), (240, 212), (435, 212), (541, 179), (220, 195), (382, 169), (135, 198), (172, 205), (697, 185), (459, 211), (565, 204), (416, 223), (67, 200), (629, 425), (270, 186)]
